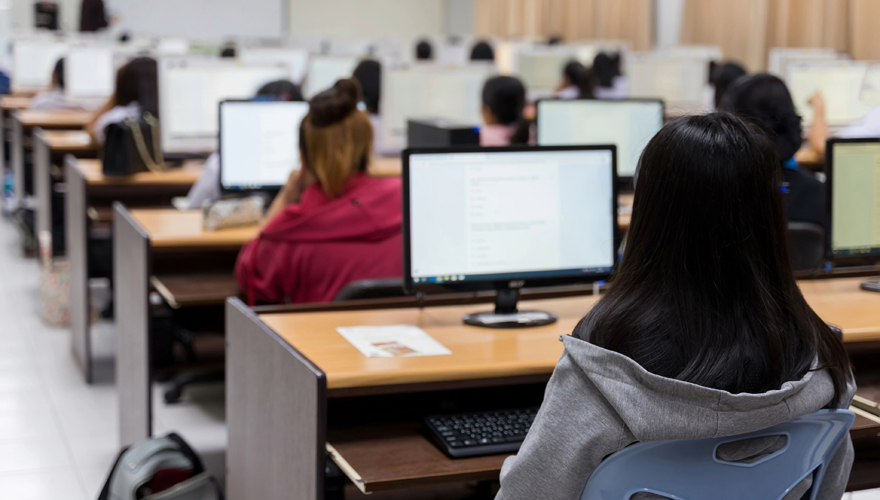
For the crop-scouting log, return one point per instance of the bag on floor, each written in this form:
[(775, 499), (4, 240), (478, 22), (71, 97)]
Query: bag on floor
[(160, 469)]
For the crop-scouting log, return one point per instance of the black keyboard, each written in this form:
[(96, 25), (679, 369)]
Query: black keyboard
[(481, 433)]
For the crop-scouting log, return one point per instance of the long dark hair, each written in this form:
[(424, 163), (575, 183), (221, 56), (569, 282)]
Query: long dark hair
[(764, 100), (369, 74), (138, 81), (579, 76), (505, 97), (606, 67), (705, 292)]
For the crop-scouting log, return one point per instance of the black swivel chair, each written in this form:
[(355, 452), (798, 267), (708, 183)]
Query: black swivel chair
[(806, 242), (371, 289)]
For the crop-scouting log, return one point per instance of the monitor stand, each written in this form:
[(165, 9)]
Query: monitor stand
[(872, 285), (506, 314)]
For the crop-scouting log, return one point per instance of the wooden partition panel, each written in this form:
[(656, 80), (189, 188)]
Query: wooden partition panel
[(131, 272), (275, 414), (630, 20), (42, 181), (76, 226)]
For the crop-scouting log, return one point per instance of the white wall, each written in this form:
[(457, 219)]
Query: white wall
[(367, 18), (23, 14), (669, 14)]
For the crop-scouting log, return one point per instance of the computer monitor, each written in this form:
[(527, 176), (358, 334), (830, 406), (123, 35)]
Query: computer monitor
[(541, 69), (191, 90), (324, 71), (33, 62), (779, 58), (508, 218), (259, 143), (852, 167), (679, 81), (296, 60), (840, 84), (89, 72), (629, 124), (430, 91)]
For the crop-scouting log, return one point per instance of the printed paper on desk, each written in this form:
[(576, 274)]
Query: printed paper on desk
[(392, 341)]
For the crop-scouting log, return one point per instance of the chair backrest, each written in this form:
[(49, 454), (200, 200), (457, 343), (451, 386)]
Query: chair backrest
[(806, 242), (690, 470), (371, 289)]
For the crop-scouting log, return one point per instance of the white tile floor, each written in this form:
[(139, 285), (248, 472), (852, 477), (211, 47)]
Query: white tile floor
[(58, 435)]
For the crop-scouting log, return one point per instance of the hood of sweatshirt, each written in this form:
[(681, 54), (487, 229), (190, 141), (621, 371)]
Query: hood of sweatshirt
[(369, 210), (657, 408)]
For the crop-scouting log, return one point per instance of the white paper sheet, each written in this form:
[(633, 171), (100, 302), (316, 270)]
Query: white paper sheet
[(392, 341)]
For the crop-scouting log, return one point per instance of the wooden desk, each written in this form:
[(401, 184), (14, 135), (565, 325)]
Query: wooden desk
[(88, 190), (15, 102), (50, 148), (22, 123), (386, 166), (170, 251), (291, 375)]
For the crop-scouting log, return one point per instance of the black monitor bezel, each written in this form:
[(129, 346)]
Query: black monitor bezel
[(229, 190), (470, 286), (860, 259), (626, 181)]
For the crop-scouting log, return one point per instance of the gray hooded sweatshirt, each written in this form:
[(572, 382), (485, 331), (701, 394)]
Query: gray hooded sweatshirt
[(598, 402)]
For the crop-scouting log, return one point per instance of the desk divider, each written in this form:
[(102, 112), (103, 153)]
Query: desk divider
[(76, 226), (275, 416), (131, 271)]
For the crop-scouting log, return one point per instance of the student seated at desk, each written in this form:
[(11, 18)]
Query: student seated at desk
[(54, 98), (609, 83), (368, 74), (504, 100), (723, 77), (866, 126), (332, 224), (764, 100), (482, 51), (136, 93), (703, 332), (207, 188), (577, 82), (424, 51)]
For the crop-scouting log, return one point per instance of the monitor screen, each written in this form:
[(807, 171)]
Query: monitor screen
[(854, 180), (541, 71), (90, 72), (627, 124), (296, 60), (509, 214), (259, 143), (430, 91), (678, 81), (840, 85), (325, 71), (33, 63), (191, 92)]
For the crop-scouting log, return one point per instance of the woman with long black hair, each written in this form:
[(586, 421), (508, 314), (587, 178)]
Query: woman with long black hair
[(703, 332)]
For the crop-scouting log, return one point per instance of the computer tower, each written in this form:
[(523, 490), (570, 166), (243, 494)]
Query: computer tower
[(439, 133)]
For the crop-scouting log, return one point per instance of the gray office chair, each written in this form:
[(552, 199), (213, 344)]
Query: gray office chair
[(806, 242), (691, 470), (371, 289)]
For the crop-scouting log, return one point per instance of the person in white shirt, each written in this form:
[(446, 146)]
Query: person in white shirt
[(136, 93), (54, 98), (609, 84), (577, 82)]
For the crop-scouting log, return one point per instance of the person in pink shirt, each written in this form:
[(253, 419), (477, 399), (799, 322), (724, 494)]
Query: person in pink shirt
[(504, 99)]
